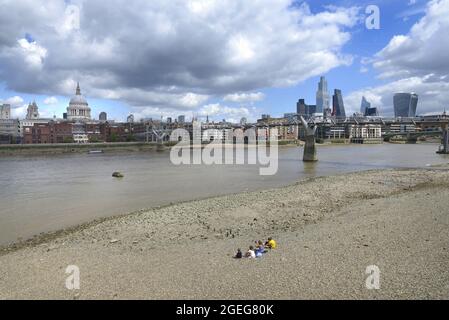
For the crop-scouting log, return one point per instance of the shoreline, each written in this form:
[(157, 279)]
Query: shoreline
[(59, 149), (107, 148), (45, 237), (63, 149), (194, 240)]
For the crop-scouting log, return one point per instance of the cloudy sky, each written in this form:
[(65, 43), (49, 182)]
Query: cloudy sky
[(226, 59)]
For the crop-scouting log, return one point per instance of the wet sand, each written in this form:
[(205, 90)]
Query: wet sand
[(329, 229)]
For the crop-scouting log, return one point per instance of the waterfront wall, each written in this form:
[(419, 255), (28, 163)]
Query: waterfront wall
[(38, 149)]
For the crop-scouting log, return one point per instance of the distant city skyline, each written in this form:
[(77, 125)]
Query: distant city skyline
[(262, 64), (405, 105)]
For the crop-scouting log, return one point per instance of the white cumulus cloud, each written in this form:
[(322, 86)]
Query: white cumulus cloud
[(244, 97), (51, 101), (170, 55)]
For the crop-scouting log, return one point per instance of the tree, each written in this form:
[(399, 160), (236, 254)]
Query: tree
[(130, 138), (93, 139), (113, 137), (68, 140)]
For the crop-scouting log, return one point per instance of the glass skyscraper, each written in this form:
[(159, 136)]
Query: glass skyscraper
[(304, 109), (365, 105), (322, 96), (405, 105), (338, 105)]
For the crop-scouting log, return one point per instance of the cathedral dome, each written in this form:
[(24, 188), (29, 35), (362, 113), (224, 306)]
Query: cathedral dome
[(78, 98), (78, 109)]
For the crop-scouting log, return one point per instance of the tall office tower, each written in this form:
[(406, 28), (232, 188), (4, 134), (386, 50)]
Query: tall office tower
[(103, 117), (338, 105), (371, 112), (301, 107), (364, 106), (405, 105), (32, 111), (5, 111), (130, 119), (182, 119), (322, 96)]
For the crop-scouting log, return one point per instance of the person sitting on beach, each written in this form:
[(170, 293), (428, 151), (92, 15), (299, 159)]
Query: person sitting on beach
[(260, 249), (271, 244), (250, 254), (239, 254)]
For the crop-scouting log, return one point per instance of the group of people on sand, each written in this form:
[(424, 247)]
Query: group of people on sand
[(258, 250)]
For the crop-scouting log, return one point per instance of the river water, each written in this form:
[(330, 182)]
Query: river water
[(47, 193)]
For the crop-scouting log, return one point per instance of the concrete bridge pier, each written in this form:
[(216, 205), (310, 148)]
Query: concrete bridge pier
[(412, 139), (444, 148), (310, 154)]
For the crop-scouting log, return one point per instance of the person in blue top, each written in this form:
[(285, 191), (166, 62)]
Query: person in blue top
[(260, 249)]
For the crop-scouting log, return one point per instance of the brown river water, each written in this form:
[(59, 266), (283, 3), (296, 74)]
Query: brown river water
[(46, 193)]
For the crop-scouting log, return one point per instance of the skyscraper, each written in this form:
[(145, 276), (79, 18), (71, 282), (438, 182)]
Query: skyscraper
[(303, 109), (338, 105), (322, 96), (364, 106), (371, 112), (405, 105), (103, 117)]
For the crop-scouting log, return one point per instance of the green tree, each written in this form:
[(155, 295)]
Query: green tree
[(68, 140), (93, 139), (113, 137), (130, 138)]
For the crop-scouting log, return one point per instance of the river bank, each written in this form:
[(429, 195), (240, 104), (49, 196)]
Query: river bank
[(329, 229), (68, 148), (109, 147)]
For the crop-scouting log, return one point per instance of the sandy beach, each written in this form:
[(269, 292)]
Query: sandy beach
[(328, 229)]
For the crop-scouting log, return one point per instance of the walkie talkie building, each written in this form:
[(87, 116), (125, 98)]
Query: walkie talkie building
[(405, 105)]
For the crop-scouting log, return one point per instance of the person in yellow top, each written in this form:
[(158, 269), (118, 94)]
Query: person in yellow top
[(271, 244)]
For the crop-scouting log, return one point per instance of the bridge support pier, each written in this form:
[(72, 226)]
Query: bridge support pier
[(444, 148), (412, 139), (310, 154)]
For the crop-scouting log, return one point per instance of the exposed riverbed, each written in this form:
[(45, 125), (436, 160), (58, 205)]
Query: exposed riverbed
[(328, 230)]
